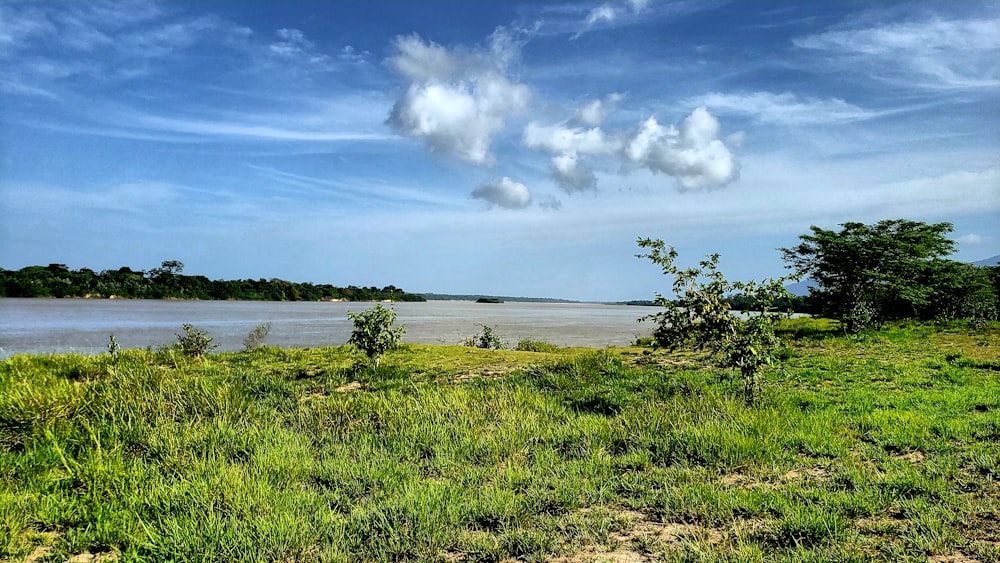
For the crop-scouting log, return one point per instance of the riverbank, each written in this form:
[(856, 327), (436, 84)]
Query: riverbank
[(882, 447)]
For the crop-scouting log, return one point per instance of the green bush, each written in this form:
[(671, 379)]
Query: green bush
[(373, 332), (486, 339), (195, 342)]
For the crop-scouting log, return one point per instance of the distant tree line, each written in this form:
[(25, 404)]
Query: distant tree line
[(167, 282)]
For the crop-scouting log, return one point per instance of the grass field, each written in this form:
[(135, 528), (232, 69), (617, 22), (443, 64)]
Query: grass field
[(881, 447)]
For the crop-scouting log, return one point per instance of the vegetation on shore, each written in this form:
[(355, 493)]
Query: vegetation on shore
[(167, 282), (882, 446)]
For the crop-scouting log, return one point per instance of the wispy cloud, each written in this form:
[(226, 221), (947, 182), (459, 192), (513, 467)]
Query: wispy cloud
[(357, 189), (971, 238), (930, 54), (785, 108), (43, 43)]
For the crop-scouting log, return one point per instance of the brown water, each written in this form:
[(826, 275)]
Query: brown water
[(83, 325)]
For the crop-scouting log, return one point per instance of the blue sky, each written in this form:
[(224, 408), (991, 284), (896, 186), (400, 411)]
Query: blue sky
[(487, 147)]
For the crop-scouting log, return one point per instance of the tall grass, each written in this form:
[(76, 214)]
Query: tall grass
[(878, 448)]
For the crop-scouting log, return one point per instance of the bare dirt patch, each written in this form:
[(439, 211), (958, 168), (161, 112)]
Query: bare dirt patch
[(40, 552), (668, 532), (954, 558), (808, 473), (88, 557), (348, 387), (912, 457)]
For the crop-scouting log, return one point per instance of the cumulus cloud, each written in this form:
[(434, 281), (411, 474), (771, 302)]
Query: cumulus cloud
[(456, 102), (693, 153), (571, 175), (565, 139), (567, 144), (505, 193), (596, 111)]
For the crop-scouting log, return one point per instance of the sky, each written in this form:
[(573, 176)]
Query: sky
[(504, 148)]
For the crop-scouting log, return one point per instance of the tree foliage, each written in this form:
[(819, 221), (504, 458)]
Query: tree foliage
[(167, 282), (867, 274), (373, 332), (699, 315)]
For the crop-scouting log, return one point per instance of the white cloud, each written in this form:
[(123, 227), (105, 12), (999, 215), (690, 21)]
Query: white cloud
[(785, 108), (505, 193), (638, 5), (596, 111), (971, 238), (45, 43), (279, 128), (567, 144), (564, 139), (571, 175), (693, 154), (933, 54), (456, 102), (602, 13)]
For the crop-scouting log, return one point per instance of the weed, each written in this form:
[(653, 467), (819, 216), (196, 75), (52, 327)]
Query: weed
[(256, 337)]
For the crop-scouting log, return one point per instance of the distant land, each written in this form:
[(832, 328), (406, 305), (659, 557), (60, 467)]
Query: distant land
[(991, 261), (491, 298)]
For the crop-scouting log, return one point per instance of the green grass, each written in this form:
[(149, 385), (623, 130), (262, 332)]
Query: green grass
[(880, 447)]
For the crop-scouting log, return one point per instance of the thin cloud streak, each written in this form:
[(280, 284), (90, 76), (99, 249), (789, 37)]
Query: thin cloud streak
[(936, 54)]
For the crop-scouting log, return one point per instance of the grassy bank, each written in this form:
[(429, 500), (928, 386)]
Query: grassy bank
[(883, 447)]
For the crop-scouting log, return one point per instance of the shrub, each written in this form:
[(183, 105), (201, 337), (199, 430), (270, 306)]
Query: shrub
[(699, 315), (373, 332), (255, 338), (529, 345), (195, 342), (486, 339)]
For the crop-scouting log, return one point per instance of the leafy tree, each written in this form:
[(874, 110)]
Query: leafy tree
[(373, 332), (868, 273), (699, 315)]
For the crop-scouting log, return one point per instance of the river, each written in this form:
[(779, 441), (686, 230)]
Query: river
[(83, 326)]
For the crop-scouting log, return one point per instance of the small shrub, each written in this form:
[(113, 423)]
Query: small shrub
[(486, 339), (113, 347), (255, 338), (529, 345), (373, 332), (195, 342)]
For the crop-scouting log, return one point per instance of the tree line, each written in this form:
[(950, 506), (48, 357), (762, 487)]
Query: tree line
[(167, 282)]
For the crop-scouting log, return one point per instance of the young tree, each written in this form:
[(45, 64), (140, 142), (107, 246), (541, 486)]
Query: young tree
[(373, 332), (699, 315), (867, 273)]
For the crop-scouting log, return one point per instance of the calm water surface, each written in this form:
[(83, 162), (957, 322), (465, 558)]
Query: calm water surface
[(83, 325)]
